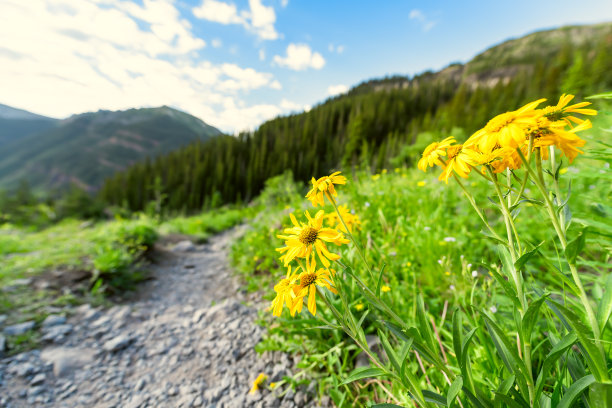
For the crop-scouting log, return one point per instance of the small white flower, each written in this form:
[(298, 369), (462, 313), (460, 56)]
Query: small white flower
[(426, 228), (474, 274), (440, 261), (450, 239), (469, 266), (607, 165), (592, 187), (493, 309), (452, 287), (392, 253), (367, 204)]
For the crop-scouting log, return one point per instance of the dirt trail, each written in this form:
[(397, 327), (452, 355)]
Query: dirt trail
[(185, 340)]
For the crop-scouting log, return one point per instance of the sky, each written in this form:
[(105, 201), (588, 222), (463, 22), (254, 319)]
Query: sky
[(237, 63)]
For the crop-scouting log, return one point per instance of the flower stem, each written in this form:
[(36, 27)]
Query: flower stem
[(562, 238)]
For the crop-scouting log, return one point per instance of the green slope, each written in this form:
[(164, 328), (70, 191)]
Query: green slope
[(17, 123), (86, 148)]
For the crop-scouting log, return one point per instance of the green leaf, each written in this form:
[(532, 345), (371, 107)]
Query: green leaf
[(386, 405), (363, 372), (424, 325), (531, 317), (503, 389), (507, 352), (506, 286), (453, 390), (509, 401), (607, 95), (591, 353), (575, 390), (605, 305), (526, 256), (575, 246), (553, 356), (378, 284), (436, 398), (389, 350), (457, 334)]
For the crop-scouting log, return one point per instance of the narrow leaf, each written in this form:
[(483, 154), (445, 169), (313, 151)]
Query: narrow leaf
[(526, 256), (364, 372), (605, 305), (453, 390), (575, 390), (436, 398), (574, 247)]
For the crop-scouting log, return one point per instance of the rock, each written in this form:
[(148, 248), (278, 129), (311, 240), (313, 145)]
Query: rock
[(53, 320), (2, 319), (17, 329), (300, 399), (2, 345), (184, 246), (56, 333), (140, 384), (118, 343), (24, 369), (198, 315), (38, 379), (67, 360)]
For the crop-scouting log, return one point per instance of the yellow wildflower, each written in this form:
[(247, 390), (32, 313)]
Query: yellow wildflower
[(385, 288), (375, 177), (459, 161), (562, 112), (351, 220), (567, 141), (409, 264), (433, 152), (284, 293), (506, 129), (421, 184), (309, 280), (359, 307), (258, 381), (563, 170), (302, 238), (324, 185)]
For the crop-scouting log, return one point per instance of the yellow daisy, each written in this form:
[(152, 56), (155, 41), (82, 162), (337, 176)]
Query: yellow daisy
[(302, 238), (568, 142), (258, 381), (351, 220), (459, 161), (433, 152), (505, 130), (284, 293), (309, 280), (324, 185), (563, 112)]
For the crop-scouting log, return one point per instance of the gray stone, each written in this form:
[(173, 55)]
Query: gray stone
[(140, 384), (67, 360), (300, 399), (2, 319), (118, 343), (38, 379), (56, 333), (53, 320), (184, 246), (20, 328), (2, 345), (24, 369)]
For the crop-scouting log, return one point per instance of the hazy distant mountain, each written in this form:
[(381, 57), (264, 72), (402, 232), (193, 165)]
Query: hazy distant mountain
[(17, 123), (86, 148)]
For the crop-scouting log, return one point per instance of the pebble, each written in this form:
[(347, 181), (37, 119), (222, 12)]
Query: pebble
[(17, 329), (53, 320)]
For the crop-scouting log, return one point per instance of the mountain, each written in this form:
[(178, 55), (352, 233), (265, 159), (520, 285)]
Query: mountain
[(379, 123), (17, 123), (86, 148)]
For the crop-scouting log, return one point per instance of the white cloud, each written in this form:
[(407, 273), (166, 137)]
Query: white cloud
[(334, 90), (72, 56), (216, 42), (262, 55), (284, 3), (258, 19), (419, 16), (300, 57), (219, 12), (333, 48)]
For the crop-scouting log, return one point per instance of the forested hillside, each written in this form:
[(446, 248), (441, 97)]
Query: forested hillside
[(378, 123), (85, 149), (17, 123)]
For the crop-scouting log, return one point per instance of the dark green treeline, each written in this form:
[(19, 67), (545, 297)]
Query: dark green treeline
[(365, 128)]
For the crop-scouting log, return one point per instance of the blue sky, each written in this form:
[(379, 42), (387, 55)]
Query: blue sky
[(237, 63)]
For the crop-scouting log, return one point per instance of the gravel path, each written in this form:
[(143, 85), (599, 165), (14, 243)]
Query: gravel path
[(185, 340)]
